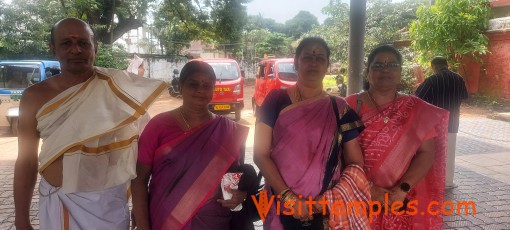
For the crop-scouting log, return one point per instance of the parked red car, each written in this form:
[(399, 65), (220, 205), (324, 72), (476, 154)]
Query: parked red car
[(229, 89), (272, 74)]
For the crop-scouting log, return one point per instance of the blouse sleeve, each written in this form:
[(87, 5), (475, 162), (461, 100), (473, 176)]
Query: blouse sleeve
[(350, 125), (275, 101), (148, 142)]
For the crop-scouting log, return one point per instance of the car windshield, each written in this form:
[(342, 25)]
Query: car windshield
[(225, 70), (287, 72), (17, 76)]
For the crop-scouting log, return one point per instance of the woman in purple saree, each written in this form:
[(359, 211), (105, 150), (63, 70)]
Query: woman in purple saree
[(185, 153), (294, 138)]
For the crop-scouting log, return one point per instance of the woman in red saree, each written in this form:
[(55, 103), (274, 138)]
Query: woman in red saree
[(185, 153), (403, 146), (294, 136)]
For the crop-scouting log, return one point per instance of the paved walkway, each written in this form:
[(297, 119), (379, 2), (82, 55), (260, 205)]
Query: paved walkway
[(482, 174)]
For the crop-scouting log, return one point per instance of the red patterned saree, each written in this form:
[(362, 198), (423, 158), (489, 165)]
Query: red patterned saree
[(388, 149)]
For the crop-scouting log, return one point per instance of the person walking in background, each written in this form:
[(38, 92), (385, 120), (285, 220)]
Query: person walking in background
[(342, 87), (184, 153), (87, 118), (403, 143), (445, 89)]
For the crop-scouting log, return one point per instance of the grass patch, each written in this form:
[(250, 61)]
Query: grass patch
[(329, 81)]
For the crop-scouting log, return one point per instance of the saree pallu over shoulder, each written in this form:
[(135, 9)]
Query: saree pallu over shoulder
[(91, 124), (388, 149), (190, 172), (302, 141), (304, 132)]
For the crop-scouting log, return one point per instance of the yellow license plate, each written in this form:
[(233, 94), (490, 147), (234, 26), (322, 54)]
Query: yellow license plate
[(221, 107)]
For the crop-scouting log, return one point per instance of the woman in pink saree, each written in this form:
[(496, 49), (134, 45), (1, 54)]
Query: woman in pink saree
[(294, 140), (403, 146), (185, 153)]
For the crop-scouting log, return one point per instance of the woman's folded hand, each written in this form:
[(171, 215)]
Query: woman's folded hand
[(238, 197)]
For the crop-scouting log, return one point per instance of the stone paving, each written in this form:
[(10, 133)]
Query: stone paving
[(482, 175)]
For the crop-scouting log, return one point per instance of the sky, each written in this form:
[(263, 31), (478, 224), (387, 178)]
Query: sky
[(283, 10)]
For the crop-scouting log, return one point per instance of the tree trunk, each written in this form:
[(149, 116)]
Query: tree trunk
[(356, 44)]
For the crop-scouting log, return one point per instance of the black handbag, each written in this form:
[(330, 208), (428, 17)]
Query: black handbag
[(250, 183), (289, 222), (249, 207)]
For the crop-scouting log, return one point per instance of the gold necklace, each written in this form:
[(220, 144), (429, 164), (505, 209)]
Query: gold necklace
[(298, 94), (386, 119), (188, 126), (184, 119)]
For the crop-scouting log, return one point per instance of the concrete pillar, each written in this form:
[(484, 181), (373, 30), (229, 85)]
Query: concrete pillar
[(356, 45)]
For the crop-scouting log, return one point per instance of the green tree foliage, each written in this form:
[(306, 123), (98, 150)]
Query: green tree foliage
[(219, 21), (276, 44), (303, 22), (25, 28), (178, 22), (265, 36), (451, 29), (25, 25), (111, 56), (255, 22), (253, 41), (229, 19), (109, 18), (335, 30), (388, 22)]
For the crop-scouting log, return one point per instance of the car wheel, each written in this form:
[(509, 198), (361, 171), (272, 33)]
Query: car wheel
[(14, 126)]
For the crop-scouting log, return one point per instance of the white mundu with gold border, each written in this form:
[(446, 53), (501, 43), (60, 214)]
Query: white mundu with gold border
[(92, 125)]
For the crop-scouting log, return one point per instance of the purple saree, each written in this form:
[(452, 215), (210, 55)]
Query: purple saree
[(302, 140), (186, 176)]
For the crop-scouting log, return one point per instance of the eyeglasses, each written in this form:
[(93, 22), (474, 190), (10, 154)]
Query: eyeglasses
[(196, 86), (392, 66)]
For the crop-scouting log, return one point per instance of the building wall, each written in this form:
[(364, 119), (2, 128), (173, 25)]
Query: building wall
[(495, 70), (160, 68), (470, 71)]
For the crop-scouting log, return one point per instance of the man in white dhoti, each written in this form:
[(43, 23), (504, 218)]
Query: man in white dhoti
[(87, 118)]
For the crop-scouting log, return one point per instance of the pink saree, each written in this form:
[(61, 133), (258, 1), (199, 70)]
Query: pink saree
[(186, 175), (389, 147), (302, 139)]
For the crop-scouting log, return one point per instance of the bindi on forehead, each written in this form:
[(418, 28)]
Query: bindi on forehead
[(315, 52)]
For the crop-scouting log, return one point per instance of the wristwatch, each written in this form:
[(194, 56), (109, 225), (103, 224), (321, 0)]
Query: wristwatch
[(404, 186)]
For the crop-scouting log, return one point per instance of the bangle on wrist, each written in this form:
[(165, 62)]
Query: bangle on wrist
[(284, 192)]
